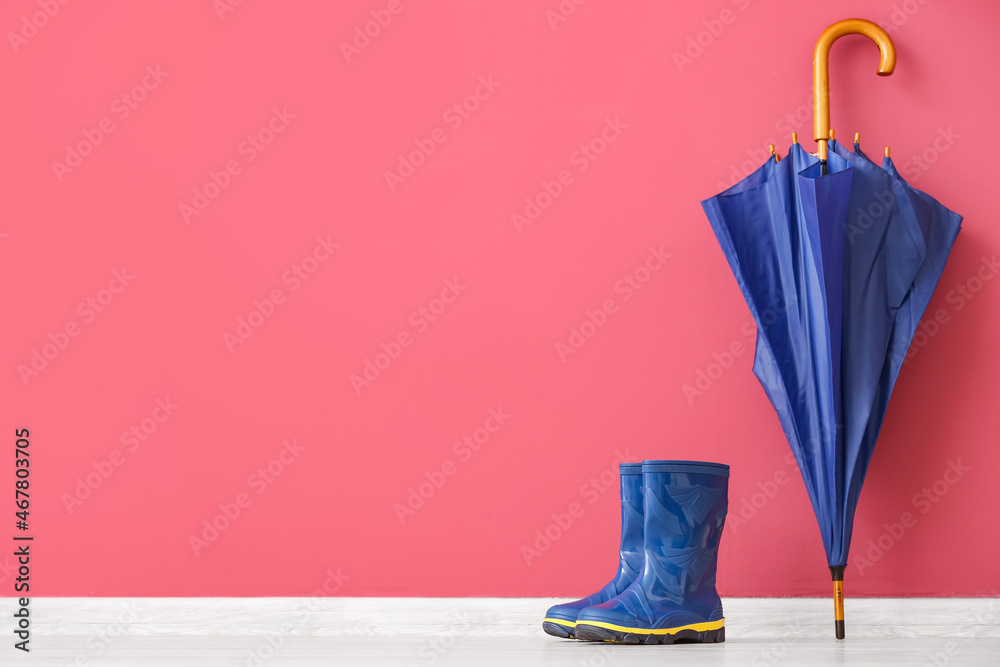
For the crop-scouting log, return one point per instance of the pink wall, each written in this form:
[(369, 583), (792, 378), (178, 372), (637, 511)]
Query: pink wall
[(258, 110)]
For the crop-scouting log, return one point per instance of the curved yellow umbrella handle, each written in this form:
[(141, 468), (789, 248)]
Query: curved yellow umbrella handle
[(821, 69)]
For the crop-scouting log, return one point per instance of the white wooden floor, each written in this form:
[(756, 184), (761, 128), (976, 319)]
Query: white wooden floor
[(475, 631)]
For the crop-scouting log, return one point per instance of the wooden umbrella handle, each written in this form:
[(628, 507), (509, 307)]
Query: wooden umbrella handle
[(821, 69)]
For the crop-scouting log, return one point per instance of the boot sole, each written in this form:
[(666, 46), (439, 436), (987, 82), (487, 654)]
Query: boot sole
[(559, 628), (712, 632)]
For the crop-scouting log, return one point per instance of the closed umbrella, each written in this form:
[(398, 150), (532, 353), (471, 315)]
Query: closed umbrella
[(853, 253)]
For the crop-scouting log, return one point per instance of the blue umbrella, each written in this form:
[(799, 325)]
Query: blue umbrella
[(851, 254)]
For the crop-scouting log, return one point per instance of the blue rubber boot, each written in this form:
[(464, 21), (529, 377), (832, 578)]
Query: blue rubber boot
[(674, 598), (560, 620)]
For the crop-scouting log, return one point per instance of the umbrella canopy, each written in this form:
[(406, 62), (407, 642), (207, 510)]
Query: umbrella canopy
[(837, 258)]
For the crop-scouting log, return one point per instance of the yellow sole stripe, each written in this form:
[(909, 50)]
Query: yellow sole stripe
[(559, 621), (697, 627)]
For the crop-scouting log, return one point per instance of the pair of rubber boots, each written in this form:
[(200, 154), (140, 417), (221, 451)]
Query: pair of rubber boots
[(664, 591)]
